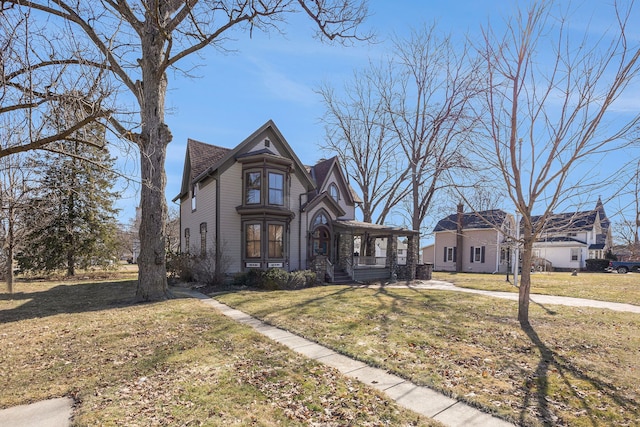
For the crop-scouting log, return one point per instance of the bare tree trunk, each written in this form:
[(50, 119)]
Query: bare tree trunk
[(525, 278), (10, 248), (154, 138)]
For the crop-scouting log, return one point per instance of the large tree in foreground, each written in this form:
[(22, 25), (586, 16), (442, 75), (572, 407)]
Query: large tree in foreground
[(137, 43), (551, 107)]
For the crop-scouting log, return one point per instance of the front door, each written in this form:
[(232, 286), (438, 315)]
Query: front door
[(321, 242)]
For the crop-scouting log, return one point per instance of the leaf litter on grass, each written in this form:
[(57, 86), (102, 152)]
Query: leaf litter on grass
[(176, 362)]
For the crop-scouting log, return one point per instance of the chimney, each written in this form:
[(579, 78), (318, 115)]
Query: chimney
[(459, 239)]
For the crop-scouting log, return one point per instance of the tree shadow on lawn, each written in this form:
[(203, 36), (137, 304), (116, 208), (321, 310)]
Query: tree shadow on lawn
[(538, 385), (72, 298)]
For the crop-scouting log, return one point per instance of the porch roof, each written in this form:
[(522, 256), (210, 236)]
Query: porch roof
[(377, 229)]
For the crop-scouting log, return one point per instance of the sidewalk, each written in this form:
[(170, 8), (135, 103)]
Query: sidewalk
[(419, 399)]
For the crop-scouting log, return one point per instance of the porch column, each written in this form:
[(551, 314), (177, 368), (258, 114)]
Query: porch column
[(392, 256), (345, 249), (412, 256)]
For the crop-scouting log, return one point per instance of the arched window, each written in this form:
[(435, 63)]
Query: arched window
[(334, 192), (320, 219), (203, 239), (320, 234)]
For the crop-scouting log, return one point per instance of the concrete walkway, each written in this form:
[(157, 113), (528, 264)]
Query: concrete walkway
[(419, 399), (46, 413), (536, 298)]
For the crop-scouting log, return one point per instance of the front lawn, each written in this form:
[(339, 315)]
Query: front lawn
[(177, 362), (577, 367), (614, 287)]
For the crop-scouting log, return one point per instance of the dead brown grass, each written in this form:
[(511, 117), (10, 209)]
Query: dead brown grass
[(613, 287), (176, 362), (576, 367)]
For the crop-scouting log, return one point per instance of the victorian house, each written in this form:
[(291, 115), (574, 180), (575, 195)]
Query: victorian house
[(258, 206)]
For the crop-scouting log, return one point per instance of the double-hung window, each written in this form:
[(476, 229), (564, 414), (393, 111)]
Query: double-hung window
[(575, 254), (477, 254), (253, 188), (449, 254), (253, 240), (276, 241), (276, 189)]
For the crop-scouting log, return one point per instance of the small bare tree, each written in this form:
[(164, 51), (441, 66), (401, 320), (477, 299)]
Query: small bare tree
[(550, 107), (15, 188), (136, 43)]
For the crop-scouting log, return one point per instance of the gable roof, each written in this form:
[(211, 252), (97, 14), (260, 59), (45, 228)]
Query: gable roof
[(321, 171), (575, 221), (203, 155), (475, 220), (202, 159)]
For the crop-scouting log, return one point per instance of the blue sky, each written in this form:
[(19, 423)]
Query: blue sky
[(274, 77)]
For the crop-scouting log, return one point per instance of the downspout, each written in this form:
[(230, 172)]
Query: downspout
[(300, 231), (217, 224)]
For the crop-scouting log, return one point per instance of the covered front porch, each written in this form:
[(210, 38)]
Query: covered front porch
[(369, 252)]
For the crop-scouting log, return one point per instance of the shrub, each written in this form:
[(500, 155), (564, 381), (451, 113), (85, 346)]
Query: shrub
[(251, 278), (207, 269), (301, 279), (179, 267), (597, 264), (275, 279)]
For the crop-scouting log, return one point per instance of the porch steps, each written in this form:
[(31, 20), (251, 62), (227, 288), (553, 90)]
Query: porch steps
[(341, 276)]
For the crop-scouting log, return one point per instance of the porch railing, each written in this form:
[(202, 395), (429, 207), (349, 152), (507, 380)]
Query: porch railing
[(349, 266), (369, 261), (329, 270)]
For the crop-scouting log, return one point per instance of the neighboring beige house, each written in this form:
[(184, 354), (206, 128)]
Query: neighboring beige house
[(477, 242), (569, 239), (259, 207), (428, 253), (471, 242)]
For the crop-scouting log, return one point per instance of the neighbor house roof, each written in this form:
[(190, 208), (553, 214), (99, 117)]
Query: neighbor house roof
[(475, 220), (575, 221)]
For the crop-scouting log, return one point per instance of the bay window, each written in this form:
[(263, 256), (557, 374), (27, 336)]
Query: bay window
[(253, 188), (276, 189), (253, 240), (276, 241)]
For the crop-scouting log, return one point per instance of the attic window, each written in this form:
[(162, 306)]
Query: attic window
[(267, 143), (334, 193)]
